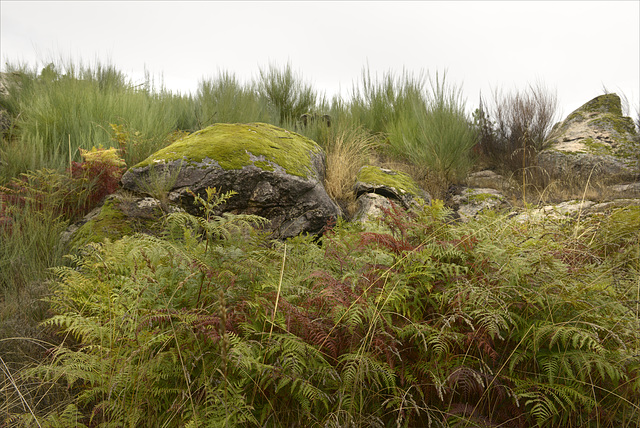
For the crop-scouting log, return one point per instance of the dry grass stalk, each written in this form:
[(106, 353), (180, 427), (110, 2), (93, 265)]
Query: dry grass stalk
[(347, 152)]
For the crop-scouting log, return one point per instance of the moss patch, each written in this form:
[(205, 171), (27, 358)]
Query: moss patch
[(481, 197), (234, 146), (110, 223), (596, 148), (607, 103), (400, 181)]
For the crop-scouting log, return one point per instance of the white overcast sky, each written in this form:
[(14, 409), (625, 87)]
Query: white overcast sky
[(575, 48)]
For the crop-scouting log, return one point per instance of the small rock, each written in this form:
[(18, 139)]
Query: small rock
[(470, 202)]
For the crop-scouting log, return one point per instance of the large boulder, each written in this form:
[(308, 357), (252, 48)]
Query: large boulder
[(277, 174), (596, 141)]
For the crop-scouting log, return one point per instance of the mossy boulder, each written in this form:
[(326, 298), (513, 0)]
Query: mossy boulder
[(594, 142), (469, 202), (391, 184), (120, 215), (277, 174)]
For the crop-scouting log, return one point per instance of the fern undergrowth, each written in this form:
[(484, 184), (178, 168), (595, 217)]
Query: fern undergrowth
[(411, 322)]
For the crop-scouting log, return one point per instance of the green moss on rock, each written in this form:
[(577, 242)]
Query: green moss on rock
[(234, 146), (109, 223), (481, 197), (400, 181), (608, 103)]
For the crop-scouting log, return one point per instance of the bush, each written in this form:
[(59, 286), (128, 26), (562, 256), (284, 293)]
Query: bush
[(225, 100), (287, 96), (376, 105), (435, 134), (514, 127), (418, 322), (57, 112), (36, 207)]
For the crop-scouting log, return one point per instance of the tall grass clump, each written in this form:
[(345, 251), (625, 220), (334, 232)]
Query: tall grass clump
[(30, 225), (435, 134), (288, 97), (225, 99), (377, 104), (346, 152), (66, 107)]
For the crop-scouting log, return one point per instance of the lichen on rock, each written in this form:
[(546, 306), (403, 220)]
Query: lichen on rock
[(595, 141)]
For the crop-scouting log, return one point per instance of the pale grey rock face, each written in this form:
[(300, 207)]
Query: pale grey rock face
[(595, 142), (276, 174), (370, 207), (488, 179), (571, 210), (626, 190), (470, 202)]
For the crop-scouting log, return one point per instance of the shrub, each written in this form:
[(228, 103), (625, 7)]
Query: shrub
[(287, 96), (35, 207), (377, 104), (515, 126), (435, 134), (417, 322), (57, 112), (224, 99)]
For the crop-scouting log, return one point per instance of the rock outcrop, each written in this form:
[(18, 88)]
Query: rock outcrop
[(594, 142), (469, 202), (376, 188), (121, 214), (276, 174), (489, 179)]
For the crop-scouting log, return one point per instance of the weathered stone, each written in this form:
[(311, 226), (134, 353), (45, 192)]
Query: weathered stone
[(121, 214), (572, 209), (470, 202), (391, 184), (370, 206), (277, 174), (489, 180), (625, 190), (594, 142)]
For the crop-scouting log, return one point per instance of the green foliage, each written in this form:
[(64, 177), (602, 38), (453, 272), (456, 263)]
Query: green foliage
[(225, 100), (417, 322), (436, 134), (376, 104), (287, 96), (58, 112)]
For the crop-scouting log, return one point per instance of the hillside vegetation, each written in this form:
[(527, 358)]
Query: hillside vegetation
[(412, 321)]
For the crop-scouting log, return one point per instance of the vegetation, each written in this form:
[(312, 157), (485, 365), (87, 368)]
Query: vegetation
[(412, 321)]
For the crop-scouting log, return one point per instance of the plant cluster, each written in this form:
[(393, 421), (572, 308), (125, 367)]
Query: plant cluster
[(35, 207), (514, 127), (415, 322)]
